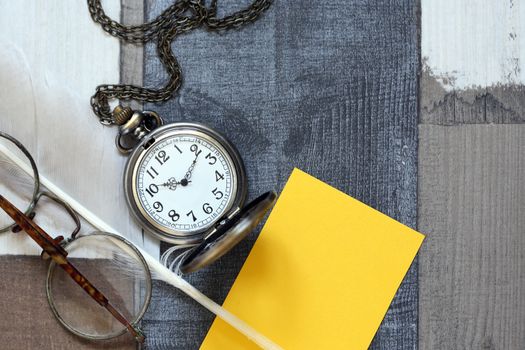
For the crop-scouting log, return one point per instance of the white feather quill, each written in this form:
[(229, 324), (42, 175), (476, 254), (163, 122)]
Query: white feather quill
[(159, 271)]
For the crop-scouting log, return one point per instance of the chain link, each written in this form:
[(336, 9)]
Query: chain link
[(182, 16)]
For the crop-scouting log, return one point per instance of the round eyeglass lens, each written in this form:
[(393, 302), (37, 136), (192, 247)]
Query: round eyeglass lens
[(116, 269), (18, 178)]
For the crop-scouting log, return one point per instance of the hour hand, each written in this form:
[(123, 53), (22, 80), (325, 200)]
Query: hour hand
[(172, 184)]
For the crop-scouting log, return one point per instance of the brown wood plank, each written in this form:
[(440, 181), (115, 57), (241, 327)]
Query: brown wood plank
[(31, 324)]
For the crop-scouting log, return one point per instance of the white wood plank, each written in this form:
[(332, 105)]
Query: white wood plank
[(54, 57), (473, 43)]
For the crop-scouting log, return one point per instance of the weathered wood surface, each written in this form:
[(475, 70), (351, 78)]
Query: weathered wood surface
[(329, 87), (501, 104), (473, 43), (472, 265), (472, 54), (132, 56), (26, 319), (471, 169), (54, 57)]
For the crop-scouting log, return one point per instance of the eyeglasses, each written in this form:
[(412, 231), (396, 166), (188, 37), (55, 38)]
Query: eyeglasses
[(103, 286)]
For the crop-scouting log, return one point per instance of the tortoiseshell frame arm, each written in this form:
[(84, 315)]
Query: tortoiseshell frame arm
[(59, 255)]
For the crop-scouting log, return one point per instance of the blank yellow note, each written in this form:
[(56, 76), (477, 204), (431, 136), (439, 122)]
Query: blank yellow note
[(321, 274)]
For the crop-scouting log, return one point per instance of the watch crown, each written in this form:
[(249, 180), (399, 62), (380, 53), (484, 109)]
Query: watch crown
[(122, 114)]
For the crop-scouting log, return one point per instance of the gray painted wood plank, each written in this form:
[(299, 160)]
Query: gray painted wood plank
[(472, 275), (132, 56), (329, 87), (500, 104), (470, 199)]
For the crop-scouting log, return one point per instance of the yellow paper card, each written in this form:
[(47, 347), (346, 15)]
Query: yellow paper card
[(322, 273)]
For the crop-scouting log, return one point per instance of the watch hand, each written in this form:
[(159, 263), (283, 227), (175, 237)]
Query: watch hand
[(190, 170), (172, 183)]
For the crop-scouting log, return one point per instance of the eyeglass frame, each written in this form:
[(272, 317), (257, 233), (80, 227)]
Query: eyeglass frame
[(30, 212)]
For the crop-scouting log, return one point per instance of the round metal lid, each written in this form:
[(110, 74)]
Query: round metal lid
[(228, 234)]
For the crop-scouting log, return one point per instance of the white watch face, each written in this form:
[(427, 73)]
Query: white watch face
[(185, 183)]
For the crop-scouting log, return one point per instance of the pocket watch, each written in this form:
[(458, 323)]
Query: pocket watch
[(186, 184)]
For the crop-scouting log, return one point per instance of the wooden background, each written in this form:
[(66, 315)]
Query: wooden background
[(329, 87), (414, 108), (471, 170)]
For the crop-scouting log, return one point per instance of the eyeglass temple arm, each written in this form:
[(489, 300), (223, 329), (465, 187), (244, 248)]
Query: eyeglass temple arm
[(59, 256), (45, 241)]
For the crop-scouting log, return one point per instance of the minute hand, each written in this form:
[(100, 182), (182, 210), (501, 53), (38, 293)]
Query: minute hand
[(190, 169)]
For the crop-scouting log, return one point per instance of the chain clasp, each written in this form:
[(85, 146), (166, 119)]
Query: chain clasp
[(134, 125)]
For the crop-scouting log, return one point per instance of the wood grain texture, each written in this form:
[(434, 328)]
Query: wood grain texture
[(31, 324), (44, 94), (474, 43), (329, 87), (53, 58), (472, 265), (502, 104), (132, 56), (471, 164), (44, 101), (61, 43)]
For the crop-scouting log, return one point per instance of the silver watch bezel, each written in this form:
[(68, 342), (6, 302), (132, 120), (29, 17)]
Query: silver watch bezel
[(159, 134)]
